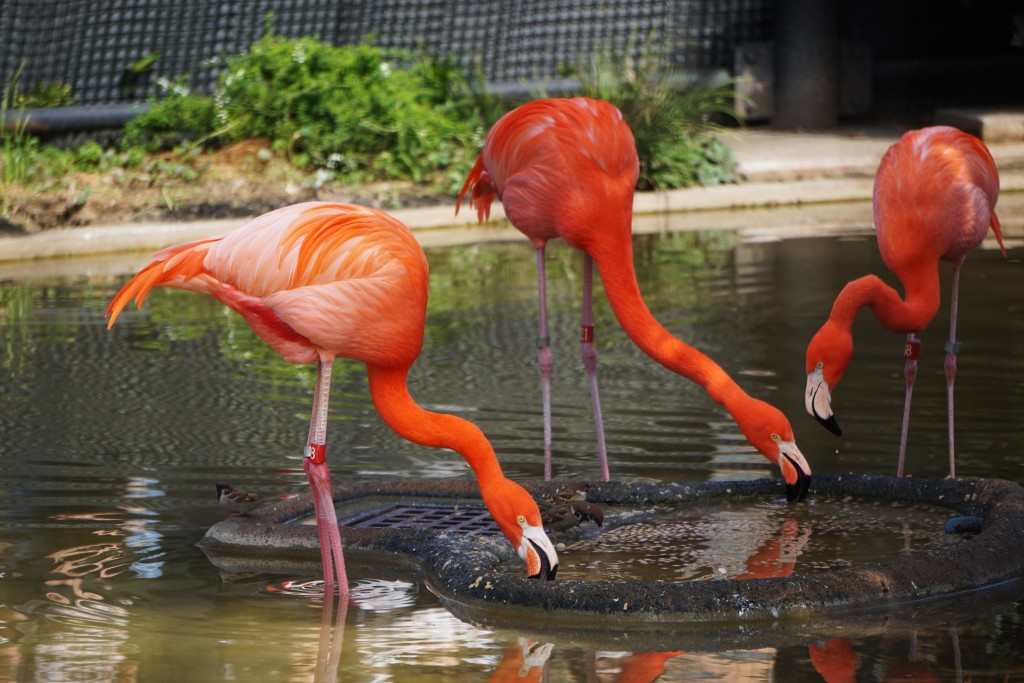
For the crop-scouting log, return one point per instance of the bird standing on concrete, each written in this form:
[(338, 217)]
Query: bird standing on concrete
[(237, 501), (568, 508)]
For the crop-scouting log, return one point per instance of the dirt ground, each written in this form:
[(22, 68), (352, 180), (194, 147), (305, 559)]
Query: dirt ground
[(244, 179)]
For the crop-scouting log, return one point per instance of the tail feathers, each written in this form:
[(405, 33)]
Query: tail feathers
[(483, 191), (999, 232), (180, 263)]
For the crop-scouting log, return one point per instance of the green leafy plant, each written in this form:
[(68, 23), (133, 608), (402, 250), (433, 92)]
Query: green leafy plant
[(178, 118), (17, 143), (353, 109), (674, 117), (354, 112), (143, 63), (45, 94)]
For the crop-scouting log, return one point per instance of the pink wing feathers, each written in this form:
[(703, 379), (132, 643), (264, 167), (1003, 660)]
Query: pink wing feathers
[(311, 279), (935, 192), (547, 159), (483, 191)]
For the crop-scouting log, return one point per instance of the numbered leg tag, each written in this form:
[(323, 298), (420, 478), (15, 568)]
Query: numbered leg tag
[(317, 453)]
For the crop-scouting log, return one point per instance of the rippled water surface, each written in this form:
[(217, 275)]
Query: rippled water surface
[(742, 541), (111, 443)]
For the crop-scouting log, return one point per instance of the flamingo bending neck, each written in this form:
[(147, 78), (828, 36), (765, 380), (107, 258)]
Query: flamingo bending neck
[(911, 313), (390, 392), (765, 427), (623, 291), (511, 506)]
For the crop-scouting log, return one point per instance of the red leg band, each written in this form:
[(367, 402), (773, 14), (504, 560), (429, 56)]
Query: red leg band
[(317, 453)]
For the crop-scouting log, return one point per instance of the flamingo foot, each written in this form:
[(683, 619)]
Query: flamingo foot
[(331, 556)]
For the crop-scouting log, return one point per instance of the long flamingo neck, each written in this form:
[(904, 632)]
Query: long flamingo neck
[(390, 393), (619, 279), (894, 313)]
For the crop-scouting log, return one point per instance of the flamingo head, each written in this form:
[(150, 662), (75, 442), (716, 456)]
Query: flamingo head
[(828, 354), (770, 433), (518, 517)]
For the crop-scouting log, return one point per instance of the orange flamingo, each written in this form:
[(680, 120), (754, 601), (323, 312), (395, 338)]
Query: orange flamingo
[(776, 556), (835, 660), (934, 200), (317, 281), (645, 667), (567, 168), (524, 662)]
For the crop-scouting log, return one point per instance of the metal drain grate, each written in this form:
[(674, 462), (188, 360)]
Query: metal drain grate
[(465, 519)]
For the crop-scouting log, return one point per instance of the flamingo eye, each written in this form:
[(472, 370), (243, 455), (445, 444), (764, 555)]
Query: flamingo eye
[(776, 437), (522, 520)]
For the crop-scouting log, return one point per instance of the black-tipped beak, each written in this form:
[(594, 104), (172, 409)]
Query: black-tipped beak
[(818, 401), (547, 570), (798, 490), (830, 424)]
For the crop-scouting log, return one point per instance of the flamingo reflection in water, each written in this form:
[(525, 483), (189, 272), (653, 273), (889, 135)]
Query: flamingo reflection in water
[(523, 662)]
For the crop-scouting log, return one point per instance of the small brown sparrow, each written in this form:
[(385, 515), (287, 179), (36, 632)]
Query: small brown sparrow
[(237, 501), (568, 508)]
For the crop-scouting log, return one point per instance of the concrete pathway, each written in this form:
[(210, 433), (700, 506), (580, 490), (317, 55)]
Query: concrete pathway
[(810, 181)]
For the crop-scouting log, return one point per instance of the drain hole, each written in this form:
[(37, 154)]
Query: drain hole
[(464, 519)]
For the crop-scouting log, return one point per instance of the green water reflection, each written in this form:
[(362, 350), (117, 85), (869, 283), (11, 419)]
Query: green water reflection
[(111, 442)]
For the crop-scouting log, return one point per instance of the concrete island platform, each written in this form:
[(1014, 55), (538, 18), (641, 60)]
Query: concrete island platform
[(478, 578)]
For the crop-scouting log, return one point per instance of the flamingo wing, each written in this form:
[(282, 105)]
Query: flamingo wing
[(312, 280), (548, 159), (482, 191), (935, 196)]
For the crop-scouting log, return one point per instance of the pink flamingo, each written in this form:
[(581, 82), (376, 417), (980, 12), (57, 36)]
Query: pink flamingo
[(934, 200), (567, 168), (319, 281)]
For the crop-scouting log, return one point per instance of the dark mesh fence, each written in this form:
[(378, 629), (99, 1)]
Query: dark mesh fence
[(112, 51)]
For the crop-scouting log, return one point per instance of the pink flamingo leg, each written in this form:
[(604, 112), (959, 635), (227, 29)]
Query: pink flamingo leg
[(544, 357), (910, 351), (319, 476), (328, 654), (952, 348), (590, 360)]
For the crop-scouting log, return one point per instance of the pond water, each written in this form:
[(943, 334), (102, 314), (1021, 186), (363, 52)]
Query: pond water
[(111, 443), (750, 540)]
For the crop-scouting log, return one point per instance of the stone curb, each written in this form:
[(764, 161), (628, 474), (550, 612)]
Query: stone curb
[(471, 577)]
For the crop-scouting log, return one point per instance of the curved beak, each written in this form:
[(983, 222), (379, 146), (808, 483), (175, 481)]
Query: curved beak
[(818, 401), (539, 554), (534, 653), (795, 471)]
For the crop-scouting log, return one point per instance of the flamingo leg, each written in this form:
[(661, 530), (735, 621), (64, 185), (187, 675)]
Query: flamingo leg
[(910, 351), (319, 476), (954, 635), (544, 358), (952, 348), (328, 655), (590, 360)]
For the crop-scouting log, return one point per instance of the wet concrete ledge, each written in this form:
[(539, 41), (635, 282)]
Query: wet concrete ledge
[(478, 579)]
